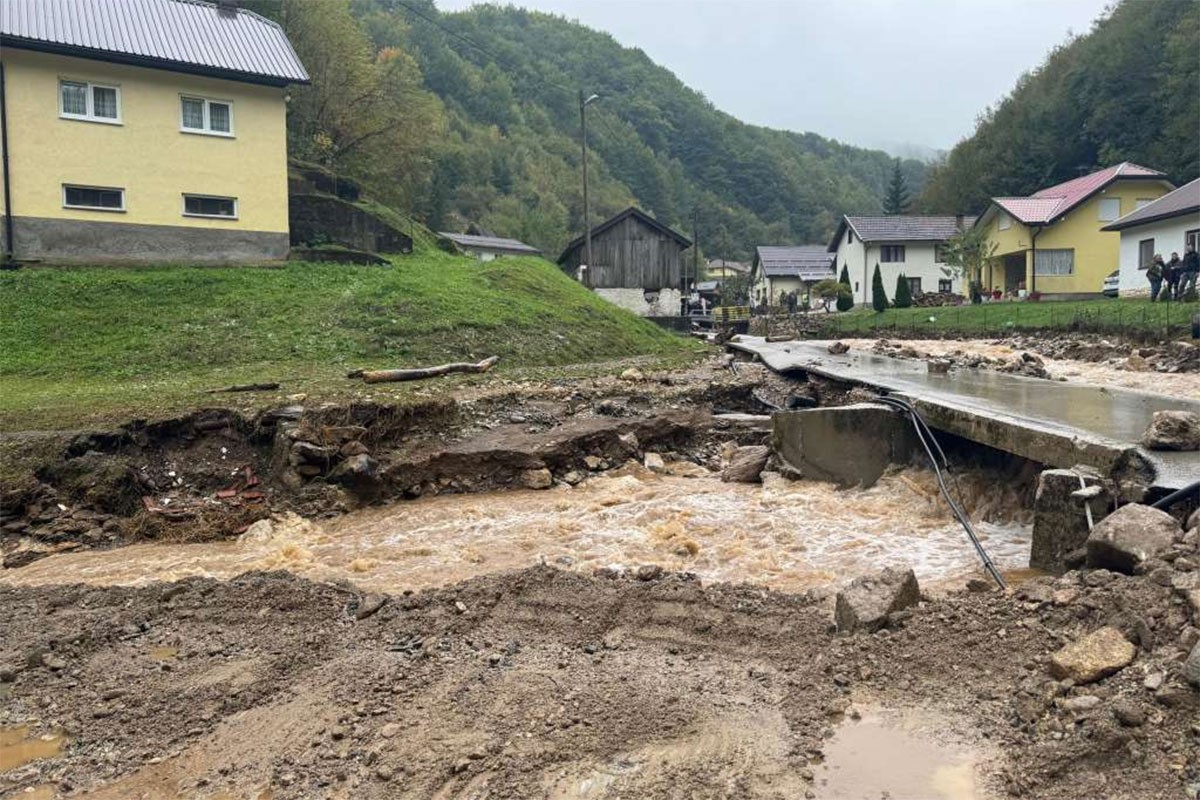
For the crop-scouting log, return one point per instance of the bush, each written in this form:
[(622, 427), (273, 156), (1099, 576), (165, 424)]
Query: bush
[(903, 292), (845, 300), (879, 299)]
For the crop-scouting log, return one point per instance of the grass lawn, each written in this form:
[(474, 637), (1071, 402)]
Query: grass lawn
[(1139, 318), (91, 345)]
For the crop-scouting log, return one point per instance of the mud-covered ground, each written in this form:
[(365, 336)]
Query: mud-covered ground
[(543, 683)]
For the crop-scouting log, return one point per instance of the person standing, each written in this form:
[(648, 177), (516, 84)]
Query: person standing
[(1171, 276), (1154, 274), (1189, 270)]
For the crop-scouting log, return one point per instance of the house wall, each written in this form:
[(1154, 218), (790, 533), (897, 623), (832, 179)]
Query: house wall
[(668, 302), (1168, 236), (630, 255), (148, 156), (1096, 251), (919, 262)]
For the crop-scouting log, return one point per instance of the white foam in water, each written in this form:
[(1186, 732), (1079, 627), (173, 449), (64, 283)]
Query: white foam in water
[(787, 535)]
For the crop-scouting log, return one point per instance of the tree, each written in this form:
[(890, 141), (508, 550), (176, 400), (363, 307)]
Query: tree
[(845, 300), (879, 299), (903, 295), (896, 199), (829, 291), (967, 253)]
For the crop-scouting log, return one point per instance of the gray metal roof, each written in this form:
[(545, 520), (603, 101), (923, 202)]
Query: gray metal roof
[(901, 228), (182, 35), (490, 243), (1181, 202), (806, 262)]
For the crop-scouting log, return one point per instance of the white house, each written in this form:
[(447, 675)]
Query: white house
[(787, 269), (898, 244), (489, 248), (1164, 226)]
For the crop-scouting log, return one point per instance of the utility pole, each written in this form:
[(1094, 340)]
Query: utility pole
[(695, 255), (587, 216)]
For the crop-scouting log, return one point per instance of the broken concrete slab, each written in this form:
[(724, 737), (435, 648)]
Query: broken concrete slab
[(866, 603), (1060, 522), (1097, 655), (1129, 536), (847, 445)]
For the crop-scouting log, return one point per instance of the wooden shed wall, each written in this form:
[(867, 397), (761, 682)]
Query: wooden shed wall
[(631, 255)]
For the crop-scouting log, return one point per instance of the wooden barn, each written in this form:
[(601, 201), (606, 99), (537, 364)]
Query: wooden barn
[(639, 263)]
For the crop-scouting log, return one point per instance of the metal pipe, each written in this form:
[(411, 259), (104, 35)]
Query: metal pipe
[(8, 215), (1176, 496)]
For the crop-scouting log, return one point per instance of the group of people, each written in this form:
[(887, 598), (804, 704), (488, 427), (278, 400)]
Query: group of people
[(1174, 279)]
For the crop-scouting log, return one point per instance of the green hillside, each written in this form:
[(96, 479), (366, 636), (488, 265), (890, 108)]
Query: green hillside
[(1129, 90), (97, 343), (502, 147)]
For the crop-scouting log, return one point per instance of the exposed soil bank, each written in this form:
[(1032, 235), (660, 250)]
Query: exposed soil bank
[(543, 683)]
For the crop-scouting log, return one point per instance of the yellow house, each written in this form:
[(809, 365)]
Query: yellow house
[(1053, 241), (143, 131)]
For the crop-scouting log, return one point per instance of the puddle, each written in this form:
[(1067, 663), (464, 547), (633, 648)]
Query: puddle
[(163, 653), (899, 757), (788, 535), (18, 746)]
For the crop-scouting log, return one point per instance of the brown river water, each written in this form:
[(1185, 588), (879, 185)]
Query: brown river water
[(787, 535)]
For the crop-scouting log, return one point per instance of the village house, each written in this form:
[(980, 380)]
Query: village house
[(898, 243), (1168, 225), (144, 131), (779, 270), (489, 248), (638, 263), (718, 269), (1055, 242)]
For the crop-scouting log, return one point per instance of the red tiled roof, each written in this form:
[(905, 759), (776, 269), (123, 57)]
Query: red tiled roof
[(1054, 201)]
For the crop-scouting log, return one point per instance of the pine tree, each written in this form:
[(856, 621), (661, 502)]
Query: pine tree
[(903, 295), (879, 299), (845, 300), (896, 201)]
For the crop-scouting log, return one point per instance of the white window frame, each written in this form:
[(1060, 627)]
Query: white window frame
[(89, 116), (207, 129), (120, 189), (186, 213), (1100, 209), (1004, 221)]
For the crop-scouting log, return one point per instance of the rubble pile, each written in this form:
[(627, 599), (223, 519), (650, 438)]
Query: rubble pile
[(1023, 363), (1171, 357)]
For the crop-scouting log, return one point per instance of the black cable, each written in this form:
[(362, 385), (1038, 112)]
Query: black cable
[(1176, 496), (925, 436)]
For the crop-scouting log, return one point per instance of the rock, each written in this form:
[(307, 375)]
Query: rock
[(633, 374), (369, 605), (537, 478), (1154, 681), (837, 348), (1081, 704), (573, 477), (353, 448), (389, 730), (384, 773), (303, 451), (593, 463), (1129, 536), (52, 662), (1095, 656), (355, 470), (866, 603), (1193, 523), (1136, 363), (747, 464), (1173, 430), (1129, 713), (258, 532), (630, 442), (1191, 667), (655, 463), (648, 572)]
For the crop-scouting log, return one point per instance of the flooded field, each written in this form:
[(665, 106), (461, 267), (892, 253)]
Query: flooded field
[(788, 535)]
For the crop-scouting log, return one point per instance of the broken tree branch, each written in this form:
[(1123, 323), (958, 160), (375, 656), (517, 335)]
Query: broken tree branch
[(421, 373), (246, 387)]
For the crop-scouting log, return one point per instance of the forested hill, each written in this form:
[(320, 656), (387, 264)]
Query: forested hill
[(500, 145), (1129, 90)]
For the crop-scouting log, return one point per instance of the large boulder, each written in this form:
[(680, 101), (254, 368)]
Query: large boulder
[(866, 603), (1173, 430), (746, 465), (1095, 656), (1129, 536)]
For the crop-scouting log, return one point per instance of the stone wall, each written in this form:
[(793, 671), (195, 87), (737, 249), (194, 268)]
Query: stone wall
[(664, 302), (317, 219), (65, 241)]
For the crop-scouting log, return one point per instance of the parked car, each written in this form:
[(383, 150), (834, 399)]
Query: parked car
[(1112, 283)]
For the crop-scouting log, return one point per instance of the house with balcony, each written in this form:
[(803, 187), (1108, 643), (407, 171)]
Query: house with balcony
[(1054, 242), (144, 131)]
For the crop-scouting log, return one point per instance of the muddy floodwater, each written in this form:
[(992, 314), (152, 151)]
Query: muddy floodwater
[(788, 535)]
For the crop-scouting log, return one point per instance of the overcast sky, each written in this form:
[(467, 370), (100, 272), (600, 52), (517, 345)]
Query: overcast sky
[(878, 73)]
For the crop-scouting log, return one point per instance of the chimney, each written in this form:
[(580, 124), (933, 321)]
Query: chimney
[(958, 221), (227, 8)]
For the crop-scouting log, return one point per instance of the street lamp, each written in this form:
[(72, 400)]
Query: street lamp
[(587, 217)]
